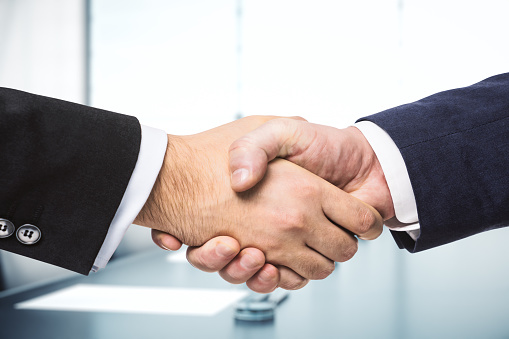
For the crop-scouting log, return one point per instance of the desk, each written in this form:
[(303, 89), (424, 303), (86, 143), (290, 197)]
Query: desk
[(369, 297)]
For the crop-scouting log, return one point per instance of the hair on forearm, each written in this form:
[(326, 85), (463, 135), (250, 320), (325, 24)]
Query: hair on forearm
[(171, 199)]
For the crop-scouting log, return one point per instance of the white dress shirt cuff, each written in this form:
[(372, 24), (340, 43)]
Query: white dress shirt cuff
[(397, 178), (150, 159)]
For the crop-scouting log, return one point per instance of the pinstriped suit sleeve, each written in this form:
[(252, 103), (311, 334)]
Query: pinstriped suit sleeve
[(455, 146)]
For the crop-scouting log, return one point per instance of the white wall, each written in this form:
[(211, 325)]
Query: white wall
[(42, 44), (170, 63), (175, 65)]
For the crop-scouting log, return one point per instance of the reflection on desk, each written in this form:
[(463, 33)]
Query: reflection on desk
[(135, 299), (382, 293)]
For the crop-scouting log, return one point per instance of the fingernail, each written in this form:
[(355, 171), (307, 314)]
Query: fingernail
[(248, 262), (164, 247), (224, 250), (264, 276), (239, 176)]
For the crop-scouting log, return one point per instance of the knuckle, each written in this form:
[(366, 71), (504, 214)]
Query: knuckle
[(233, 276), (197, 260), (282, 121), (295, 283), (280, 124), (367, 220), (243, 142), (308, 190), (348, 253), (312, 268), (328, 270), (291, 219), (323, 271)]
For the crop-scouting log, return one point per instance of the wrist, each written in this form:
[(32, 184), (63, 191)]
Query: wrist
[(375, 190), (169, 199)]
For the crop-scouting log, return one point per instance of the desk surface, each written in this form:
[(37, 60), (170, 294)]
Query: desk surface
[(372, 297)]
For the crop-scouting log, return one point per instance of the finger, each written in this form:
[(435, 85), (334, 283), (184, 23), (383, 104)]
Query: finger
[(244, 266), (214, 254), (333, 242), (166, 241), (289, 280), (350, 213), (307, 263), (250, 154), (265, 280)]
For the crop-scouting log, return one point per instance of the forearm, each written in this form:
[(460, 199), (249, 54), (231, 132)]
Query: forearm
[(176, 202), (167, 200), (70, 162)]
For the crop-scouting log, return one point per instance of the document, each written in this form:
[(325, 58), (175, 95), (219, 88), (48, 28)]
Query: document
[(136, 299)]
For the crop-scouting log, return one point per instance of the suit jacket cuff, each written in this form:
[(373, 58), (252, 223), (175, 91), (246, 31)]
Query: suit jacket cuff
[(454, 145)]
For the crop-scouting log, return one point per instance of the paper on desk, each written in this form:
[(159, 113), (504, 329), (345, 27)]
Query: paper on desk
[(127, 299)]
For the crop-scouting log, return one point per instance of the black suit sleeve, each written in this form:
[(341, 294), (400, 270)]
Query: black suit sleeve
[(64, 168), (455, 145)]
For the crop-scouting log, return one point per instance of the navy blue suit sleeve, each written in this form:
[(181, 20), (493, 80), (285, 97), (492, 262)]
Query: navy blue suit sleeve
[(455, 145), (65, 168)]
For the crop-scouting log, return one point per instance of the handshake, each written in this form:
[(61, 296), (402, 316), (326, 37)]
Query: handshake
[(270, 201)]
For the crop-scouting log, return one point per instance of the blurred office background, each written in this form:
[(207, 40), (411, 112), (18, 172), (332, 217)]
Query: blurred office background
[(187, 66)]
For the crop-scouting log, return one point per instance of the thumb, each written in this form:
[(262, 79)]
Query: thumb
[(250, 154)]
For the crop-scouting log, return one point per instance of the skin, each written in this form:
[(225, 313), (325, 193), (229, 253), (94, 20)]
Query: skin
[(343, 157), (290, 215)]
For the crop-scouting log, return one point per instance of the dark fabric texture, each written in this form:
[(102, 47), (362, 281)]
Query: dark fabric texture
[(455, 145), (65, 168)]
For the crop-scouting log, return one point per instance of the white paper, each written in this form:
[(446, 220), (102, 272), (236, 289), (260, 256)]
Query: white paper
[(127, 299)]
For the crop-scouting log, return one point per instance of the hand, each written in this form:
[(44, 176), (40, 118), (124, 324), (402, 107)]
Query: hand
[(286, 215), (343, 157), (222, 254)]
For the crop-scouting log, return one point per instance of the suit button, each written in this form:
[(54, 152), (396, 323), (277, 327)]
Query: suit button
[(28, 234), (6, 228)]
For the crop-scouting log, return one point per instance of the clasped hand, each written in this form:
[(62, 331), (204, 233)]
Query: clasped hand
[(274, 224)]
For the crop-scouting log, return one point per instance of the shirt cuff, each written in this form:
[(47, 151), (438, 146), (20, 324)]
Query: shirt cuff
[(397, 178), (150, 159)]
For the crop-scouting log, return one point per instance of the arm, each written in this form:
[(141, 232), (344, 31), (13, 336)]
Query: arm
[(453, 144), (286, 216), (65, 170), (349, 163), (71, 164)]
